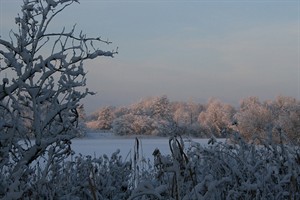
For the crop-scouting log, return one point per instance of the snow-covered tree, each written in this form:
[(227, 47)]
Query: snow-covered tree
[(194, 111), (123, 125), (185, 115), (144, 125), (40, 95), (217, 118), (119, 111), (161, 108), (286, 114), (150, 116), (254, 118), (105, 118), (181, 114), (154, 107)]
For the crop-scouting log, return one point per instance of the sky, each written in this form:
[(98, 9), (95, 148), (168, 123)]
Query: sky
[(187, 50)]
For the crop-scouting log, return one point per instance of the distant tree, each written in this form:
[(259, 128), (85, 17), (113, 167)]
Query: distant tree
[(181, 114), (105, 118), (185, 115), (217, 118), (120, 111), (154, 107), (41, 93), (150, 116), (254, 119), (161, 108), (143, 125), (160, 111), (194, 111), (123, 125), (286, 114)]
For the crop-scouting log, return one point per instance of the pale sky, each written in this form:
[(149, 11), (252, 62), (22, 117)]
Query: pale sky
[(186, 50)]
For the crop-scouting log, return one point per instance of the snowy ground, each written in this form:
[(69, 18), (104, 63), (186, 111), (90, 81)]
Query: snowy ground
[(97, 144)]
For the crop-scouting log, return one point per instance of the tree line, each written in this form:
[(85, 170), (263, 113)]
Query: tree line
[(159, 116)]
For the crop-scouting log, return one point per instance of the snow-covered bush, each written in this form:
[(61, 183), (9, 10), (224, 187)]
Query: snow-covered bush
[(220, 170), (80, 177), (231, 170), (97, 178)]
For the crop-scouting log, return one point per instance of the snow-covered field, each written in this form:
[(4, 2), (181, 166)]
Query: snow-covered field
[(97, 144)]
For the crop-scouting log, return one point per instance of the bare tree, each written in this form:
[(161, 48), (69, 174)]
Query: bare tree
[(40, 95)]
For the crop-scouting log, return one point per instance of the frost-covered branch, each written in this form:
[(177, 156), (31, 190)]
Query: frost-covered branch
[(44, 85)]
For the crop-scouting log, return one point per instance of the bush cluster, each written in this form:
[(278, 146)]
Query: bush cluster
[(220, 170)]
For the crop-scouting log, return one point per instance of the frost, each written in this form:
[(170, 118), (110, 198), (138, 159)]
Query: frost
[(39, 100)]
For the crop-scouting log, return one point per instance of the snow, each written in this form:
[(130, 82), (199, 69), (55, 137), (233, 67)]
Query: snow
[(97, 144)]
